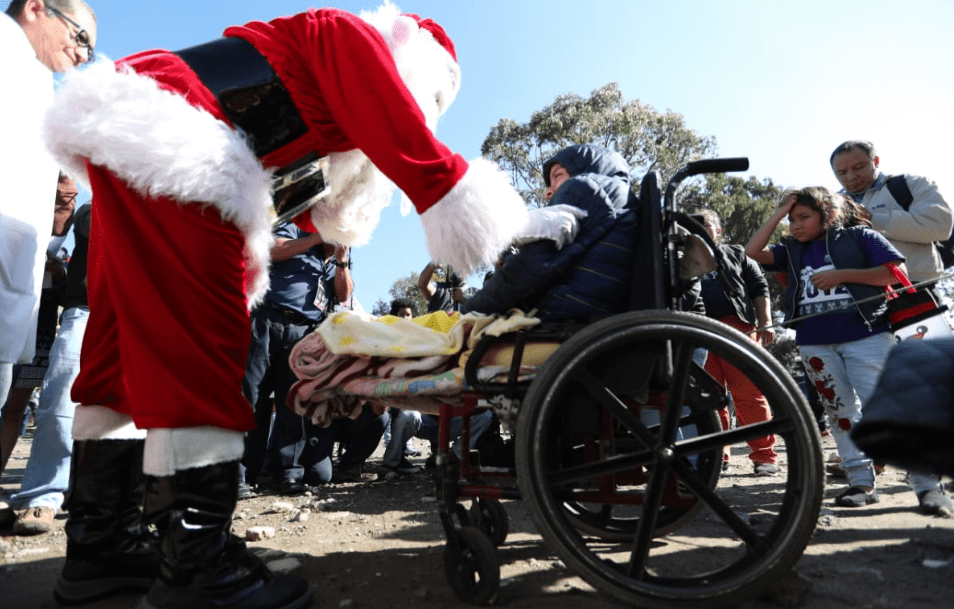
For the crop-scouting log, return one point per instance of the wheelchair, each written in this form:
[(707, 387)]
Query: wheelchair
[(618, 448)]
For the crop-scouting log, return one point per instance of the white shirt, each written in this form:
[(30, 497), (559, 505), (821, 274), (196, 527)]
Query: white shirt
[(28, 176)]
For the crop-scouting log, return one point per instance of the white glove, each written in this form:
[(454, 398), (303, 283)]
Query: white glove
[(558, 223)]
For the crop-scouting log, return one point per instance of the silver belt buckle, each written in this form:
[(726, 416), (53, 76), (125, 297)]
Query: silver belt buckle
[(297, 187)]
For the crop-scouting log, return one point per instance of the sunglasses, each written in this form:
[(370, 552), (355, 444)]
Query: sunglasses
[(81, 37)]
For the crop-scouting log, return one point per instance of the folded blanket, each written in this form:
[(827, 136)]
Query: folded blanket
[(348, 347)]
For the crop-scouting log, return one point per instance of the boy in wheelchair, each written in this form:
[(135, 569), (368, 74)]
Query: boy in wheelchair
[(589, 277)]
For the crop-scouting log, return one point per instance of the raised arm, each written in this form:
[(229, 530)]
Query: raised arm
[(424, 285), (757, 248)]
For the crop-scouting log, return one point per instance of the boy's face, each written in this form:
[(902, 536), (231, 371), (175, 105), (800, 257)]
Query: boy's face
[(558, 175), (855, 170)]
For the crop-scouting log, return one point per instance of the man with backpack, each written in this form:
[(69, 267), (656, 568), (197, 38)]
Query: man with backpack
[(911, 213), (908, 210)]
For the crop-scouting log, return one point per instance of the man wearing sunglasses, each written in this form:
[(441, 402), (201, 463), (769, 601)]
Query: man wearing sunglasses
[(37, 38)]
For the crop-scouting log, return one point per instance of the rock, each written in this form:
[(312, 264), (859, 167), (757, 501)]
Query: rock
[(282, 506), (284, 565), (259, 533), (302, 515)]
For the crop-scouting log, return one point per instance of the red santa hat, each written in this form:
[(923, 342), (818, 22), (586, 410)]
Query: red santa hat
[(436, 31), (424, 55)]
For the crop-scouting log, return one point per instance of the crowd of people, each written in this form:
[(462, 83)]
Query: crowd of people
[(163, 394)]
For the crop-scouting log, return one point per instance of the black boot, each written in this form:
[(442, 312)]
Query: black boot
[(108, 550), (203, 565)]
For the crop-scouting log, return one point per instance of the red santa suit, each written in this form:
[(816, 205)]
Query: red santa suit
[(181, 225)]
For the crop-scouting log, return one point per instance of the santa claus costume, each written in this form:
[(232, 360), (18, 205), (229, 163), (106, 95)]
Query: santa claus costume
[(179, 245)]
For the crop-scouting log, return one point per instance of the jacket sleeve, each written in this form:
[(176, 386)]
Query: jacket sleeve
[(755, 283), (524, 279), (521, 280), (928, 219)]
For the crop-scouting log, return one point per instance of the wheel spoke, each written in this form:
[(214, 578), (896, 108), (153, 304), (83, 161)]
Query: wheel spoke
[(646, 526), (675, 397), (598, 390), (595, 469), (718, 505)]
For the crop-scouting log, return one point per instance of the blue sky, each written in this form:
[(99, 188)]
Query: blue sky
[(781, 82)]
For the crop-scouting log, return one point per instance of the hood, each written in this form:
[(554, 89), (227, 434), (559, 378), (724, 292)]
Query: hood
[(588, 158)]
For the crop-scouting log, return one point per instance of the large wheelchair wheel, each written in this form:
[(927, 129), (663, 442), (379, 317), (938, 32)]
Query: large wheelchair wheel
[(612, 511), (580, 425)]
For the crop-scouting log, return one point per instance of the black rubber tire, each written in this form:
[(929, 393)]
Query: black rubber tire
[(489, 516), (587, 380), (473, 571)]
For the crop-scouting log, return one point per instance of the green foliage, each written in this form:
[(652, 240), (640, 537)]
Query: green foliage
[(742, 204), (647, 139)]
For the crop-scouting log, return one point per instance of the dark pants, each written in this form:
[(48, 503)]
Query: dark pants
[(266, 384), (359, 438)]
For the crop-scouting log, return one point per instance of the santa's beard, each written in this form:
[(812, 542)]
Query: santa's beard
[(359, 193)]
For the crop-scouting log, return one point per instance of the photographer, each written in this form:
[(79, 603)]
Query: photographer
[(441, 295)]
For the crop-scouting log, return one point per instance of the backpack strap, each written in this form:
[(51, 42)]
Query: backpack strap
[(898, 187)]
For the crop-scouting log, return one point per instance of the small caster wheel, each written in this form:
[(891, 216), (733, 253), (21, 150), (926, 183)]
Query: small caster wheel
[(489, 516), (472, 568)]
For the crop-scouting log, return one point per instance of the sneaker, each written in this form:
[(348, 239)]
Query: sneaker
[(292, 487), (935, 503), (34, 521), (245, 491), (856, 496), (766, 469), (406, 468), (353, 473)]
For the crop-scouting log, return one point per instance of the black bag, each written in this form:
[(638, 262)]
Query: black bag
[(914, 313), (898, 187)]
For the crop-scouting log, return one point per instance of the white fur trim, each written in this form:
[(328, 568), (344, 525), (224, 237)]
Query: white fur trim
[(168, 451), (429, 71), (160, 145), (359, 192), (476, 220), (101, 423)]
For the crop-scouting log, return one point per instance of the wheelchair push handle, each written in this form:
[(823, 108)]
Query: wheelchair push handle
[(712, 166), (704, 166)]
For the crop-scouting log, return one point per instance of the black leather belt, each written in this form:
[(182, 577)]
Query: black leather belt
[(255, 100), (290, 315)]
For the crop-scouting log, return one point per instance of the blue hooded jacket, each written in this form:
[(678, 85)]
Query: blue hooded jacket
[(590, 277)]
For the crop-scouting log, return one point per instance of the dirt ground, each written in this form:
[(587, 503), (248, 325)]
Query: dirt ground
[(380, 544)]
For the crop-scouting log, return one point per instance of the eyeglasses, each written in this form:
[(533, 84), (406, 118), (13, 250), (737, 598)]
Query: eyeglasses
[(81, 36)]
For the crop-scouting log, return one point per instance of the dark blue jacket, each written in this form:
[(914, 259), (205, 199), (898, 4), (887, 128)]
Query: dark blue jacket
[(845, 250), (585, 279)]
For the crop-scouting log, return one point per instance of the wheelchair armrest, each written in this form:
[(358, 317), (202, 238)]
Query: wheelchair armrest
[(557, 332)]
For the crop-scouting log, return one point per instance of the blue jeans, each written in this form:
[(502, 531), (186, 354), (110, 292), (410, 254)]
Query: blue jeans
[(266, 374), (6, 381), (845, 375), (48, 469), (480, 422), (404, 426)]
